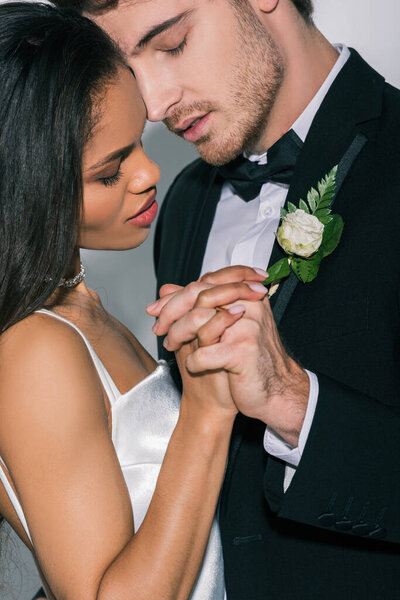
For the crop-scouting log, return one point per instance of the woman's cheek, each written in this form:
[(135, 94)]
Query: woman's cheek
[(100, 209)]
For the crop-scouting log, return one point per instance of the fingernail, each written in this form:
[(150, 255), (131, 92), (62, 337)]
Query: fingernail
[(258, 287), (261, 272), (166, 343), (235, 310), (155, 327), (151, 306)]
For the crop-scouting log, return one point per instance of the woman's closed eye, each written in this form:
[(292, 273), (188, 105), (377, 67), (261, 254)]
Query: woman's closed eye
[(111, 179), (111, 175)]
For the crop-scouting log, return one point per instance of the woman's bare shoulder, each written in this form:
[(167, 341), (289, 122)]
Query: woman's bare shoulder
[(41, 355), (39, 337)]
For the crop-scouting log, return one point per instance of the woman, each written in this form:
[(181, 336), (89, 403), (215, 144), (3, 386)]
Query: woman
[(86, 415)]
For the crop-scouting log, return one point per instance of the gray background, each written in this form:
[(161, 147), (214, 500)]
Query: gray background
[(125, 280)]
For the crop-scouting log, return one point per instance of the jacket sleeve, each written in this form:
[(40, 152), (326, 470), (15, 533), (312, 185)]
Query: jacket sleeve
[(348, 479)]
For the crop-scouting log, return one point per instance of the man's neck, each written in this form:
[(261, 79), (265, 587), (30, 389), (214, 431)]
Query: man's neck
[(308, 58)]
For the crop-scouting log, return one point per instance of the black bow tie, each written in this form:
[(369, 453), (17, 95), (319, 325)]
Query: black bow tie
[(248, 177)]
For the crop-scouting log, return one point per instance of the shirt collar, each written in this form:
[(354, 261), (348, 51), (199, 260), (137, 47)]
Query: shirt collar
[(303, 124)]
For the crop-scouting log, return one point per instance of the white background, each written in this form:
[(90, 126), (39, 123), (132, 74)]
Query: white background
[(125, 280)]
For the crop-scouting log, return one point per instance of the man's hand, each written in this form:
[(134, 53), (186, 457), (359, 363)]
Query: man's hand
[(265, 382)]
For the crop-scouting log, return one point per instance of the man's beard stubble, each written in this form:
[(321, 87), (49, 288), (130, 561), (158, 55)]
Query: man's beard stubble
[(256, 79)]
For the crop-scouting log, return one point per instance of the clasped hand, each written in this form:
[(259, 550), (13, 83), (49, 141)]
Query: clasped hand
[(242, 339)]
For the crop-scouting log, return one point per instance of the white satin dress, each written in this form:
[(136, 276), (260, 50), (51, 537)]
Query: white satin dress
[(143, 420)]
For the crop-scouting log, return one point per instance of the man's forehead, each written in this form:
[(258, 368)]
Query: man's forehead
[(130, 20), (149, 10)]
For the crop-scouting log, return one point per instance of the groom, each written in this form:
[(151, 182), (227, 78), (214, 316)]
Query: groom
[(310, 503)]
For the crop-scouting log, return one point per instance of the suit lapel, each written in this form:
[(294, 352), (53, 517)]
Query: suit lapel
[(344, 167), (354, 99)]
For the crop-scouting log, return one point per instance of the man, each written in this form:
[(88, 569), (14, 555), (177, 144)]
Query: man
[(313, 511)]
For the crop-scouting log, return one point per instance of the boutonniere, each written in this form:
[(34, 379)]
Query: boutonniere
[(307, 234)]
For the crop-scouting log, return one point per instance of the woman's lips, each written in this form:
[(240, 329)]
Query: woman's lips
[(147, 213)]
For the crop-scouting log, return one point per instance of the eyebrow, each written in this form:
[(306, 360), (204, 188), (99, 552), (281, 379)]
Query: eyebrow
[(160, 28), (121, 153)]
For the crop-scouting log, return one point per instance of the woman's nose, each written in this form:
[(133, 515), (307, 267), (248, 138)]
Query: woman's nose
[(146, 175)]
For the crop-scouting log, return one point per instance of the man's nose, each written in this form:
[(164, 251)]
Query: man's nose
[(159, 94)]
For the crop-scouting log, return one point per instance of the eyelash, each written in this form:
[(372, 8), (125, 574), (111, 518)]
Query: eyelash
[(179, 49), (113, 179)]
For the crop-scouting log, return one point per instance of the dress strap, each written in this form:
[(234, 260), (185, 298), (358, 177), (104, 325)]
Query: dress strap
[(13, 498), (110, 388)]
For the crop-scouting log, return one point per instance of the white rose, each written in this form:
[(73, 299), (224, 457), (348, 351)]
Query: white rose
[(300, 233)]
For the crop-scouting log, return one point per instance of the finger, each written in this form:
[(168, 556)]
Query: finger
[(239, 341), (155, 308), (243, 332), (228, 293), (210, 333), (236, 273), (178, 305), (169, 288), (209, 358), (186, 329)]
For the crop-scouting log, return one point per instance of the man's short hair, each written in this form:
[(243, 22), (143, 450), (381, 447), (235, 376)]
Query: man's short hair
[(305, 7)]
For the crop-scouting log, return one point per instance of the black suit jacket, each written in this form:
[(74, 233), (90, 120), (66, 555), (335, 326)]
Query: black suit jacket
[(335, 532)]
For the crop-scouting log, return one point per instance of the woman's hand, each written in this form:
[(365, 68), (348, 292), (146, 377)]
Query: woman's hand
[(234, 284), (181, 315), (207, 394)]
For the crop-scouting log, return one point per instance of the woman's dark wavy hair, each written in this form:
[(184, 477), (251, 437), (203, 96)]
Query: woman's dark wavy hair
[(54, 68)]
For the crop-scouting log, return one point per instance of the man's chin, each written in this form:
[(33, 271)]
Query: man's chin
[(216, 154)]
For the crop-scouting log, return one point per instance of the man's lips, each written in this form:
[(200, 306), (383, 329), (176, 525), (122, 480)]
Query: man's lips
[(198, 129), (183, 126)]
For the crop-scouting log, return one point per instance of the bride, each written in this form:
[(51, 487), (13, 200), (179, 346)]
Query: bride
[(87, 417)]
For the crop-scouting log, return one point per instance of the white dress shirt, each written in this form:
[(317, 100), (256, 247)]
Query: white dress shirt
[(243, 233)]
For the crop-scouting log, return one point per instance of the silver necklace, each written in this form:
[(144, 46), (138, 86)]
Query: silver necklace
[(69, 283)]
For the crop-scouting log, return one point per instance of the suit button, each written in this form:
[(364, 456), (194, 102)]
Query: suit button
[(344, 524), (327, 519), (361, 528), (378, 533)]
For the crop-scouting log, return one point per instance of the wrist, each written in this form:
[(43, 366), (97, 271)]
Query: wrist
[(286, 409), (206, 420)]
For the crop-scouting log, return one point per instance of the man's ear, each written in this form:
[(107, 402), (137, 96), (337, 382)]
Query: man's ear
[(267, 6)]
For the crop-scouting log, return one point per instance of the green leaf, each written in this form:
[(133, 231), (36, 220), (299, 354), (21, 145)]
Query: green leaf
[(331, 237), (322, 186), (291, 207), (283, 213), (312, 202), (327, 203), (313, 199), (304, 206), (278, 271), (306, 269), (328, 181), (324, 212), (326, 186), (327, 196), (325, 220)]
